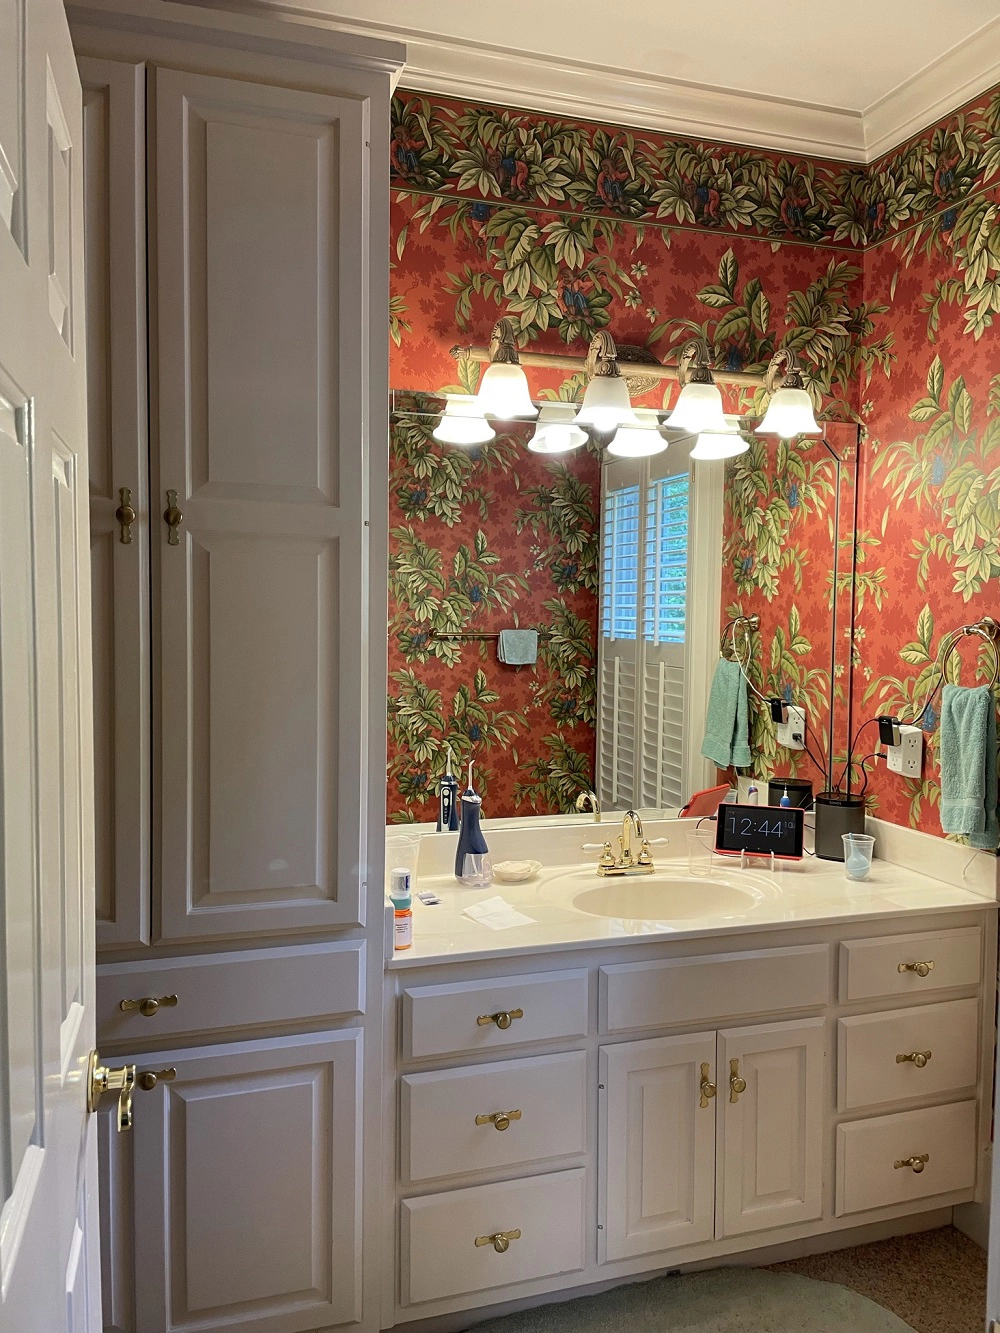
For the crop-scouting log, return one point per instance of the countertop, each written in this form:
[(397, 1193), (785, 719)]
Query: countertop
[(811, 892)]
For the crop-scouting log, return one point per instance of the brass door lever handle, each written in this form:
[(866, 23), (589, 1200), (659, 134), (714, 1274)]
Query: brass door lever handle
[(102, 1079)]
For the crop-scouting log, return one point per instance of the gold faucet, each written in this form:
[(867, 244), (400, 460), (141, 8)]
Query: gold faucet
[(589, 798), (626, 863)]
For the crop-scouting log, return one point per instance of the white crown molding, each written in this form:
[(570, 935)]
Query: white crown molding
[(952, 80)]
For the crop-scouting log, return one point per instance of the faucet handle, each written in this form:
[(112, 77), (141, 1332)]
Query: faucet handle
[(608, 858), (645, 857)]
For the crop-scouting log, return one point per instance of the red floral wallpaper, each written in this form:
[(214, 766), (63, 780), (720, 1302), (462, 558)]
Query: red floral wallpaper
[(885, 280)]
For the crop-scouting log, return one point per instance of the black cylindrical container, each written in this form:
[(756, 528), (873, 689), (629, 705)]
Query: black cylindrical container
[(800, 792), (835, 816)]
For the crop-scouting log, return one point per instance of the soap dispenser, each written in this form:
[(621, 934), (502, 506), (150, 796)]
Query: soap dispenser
[(473, 866), (447, 820)]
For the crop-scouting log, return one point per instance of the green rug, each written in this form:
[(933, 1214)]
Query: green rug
[(723, 1300)]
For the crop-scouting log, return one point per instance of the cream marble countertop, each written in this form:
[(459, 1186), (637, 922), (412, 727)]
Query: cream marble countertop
[(811, 892)]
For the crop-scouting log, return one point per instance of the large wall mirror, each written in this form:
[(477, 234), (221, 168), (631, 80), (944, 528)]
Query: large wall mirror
[(640, 575)]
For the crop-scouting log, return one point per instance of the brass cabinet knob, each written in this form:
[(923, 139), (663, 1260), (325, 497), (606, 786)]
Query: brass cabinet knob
[(102, 1079), (500, 1240), (919, 1058), (173, 518), (149, 1078), (736, 1084), (499, 1119), (916, 1164), (148, 1005), (503, 1018), (920, 969), (126, 516), (708, 1088)]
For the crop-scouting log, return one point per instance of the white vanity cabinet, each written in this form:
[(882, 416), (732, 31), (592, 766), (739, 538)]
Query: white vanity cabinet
[(680, 1102)]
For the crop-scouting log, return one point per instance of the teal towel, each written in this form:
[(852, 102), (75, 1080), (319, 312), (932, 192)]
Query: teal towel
[(725, 740), (969, 791), (517, 647)]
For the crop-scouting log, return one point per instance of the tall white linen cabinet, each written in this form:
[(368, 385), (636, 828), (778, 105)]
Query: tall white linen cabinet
[(236, 196)]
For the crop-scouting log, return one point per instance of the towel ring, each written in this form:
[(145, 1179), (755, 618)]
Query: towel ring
[(986, 629), (746, 623)]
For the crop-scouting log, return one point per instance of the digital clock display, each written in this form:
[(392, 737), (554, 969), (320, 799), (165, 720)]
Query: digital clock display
[(760, 830)]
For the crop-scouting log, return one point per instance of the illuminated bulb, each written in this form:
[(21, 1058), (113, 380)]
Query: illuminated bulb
[(698, 408), (789, 413), (556, 432), (462, 422), (726, 443), (641, 440), (503, 393), (606, 404)]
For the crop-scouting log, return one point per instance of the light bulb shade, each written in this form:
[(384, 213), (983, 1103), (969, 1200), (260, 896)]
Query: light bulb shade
[(463, 423), (789, 413), (641, 440), (503, 393), (606, 404), (719, 444), (556, 432), (698, 408)]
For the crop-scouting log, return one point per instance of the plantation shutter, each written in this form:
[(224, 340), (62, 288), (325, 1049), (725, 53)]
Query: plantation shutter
[(621, 555)]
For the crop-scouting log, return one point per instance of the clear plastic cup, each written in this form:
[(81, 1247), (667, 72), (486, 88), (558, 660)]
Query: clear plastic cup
[(858, 851), (402, 851), (700, 849)]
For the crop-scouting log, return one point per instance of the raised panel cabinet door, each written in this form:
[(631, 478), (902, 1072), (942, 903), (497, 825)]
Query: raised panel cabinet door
[(249, 1161), (114, 179), (771, 1114), (657, 1145), (260, 478)]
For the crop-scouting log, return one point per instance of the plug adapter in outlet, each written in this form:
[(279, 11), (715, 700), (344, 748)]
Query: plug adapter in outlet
[(792, 732), (907, 758)]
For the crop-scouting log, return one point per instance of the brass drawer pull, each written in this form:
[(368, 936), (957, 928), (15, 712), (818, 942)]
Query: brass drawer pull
[(125, 515), (173, 518), (736, 1084), (916, 1164), (921, 969), (148, 1005), (503, 1018), (149, 1078), (500, 1240), (499, 1119), (708, 1088), (919, 1058)]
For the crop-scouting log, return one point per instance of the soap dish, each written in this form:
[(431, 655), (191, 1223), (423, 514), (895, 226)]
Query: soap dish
[(516, 872)]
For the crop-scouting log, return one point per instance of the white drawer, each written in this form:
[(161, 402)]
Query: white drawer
[(869, 969), (695, 990), (439, 1133), (868, 1150), (944, 1037), (252, 988), (440, 1257), (445, 1020)]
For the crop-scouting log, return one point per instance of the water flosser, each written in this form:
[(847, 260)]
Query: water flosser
[(448, 800), (473, 866)]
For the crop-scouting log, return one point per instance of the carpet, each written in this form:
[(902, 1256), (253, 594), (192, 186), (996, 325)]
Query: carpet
[(723, 1300)]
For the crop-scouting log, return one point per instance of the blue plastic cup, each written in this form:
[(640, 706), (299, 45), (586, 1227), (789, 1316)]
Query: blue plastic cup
[(858, 851)]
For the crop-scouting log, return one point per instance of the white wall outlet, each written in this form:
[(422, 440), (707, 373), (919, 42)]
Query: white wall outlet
[(792, 732), (907, 758)]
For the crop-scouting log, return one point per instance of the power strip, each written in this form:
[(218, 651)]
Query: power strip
[(907, 758)]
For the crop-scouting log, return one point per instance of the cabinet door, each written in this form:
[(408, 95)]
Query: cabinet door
[(657, 1166), (249, 1167), (262, 321), (771, 1132), (114, 119)]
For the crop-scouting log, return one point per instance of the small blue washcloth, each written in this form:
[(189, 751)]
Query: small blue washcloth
[(969, 790), (517, 647), (726, 726)]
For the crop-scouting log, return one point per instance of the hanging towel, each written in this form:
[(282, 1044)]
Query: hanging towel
[(726, 725), (969, 791), (517, 647)]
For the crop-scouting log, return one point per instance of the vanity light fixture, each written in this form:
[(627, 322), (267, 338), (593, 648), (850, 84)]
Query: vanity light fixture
[(503, 390), (728, 443), (462, 422), (790, 411), (606, 402), (556, 432), (641, 440), (699, 404)]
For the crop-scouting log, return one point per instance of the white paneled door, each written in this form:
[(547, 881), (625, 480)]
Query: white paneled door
[(48, 1161)]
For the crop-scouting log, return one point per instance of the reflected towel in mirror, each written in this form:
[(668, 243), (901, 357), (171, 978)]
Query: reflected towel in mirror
[(517, 647), (726, 726)]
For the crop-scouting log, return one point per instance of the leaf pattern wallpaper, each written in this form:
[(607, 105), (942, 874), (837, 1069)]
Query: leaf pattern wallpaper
[(885, 280)]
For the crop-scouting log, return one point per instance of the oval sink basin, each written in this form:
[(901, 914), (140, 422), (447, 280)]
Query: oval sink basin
[(667, 899)]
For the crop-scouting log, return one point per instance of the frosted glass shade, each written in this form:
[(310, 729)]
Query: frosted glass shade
[(719, 444), (463, 423), (639, 441), (503, 393), (557, 432), (789, 413), (606, 404), (698, 408)]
